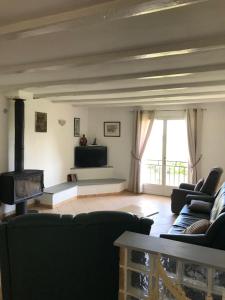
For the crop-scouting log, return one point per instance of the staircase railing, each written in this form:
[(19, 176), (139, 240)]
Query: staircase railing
[(152, 268)]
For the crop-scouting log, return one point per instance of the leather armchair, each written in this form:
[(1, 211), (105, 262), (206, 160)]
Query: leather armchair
[(52, 257), (213, 238), (215, 235), (178, 196)]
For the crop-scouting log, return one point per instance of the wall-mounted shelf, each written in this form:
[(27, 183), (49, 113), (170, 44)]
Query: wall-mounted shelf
[(93, 173), (104, 167)]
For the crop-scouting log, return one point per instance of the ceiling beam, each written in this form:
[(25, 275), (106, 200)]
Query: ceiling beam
[(158, 74), (98, 13), (156, 88), (148, 52), (143, 98), (153, 103), (150, 100)]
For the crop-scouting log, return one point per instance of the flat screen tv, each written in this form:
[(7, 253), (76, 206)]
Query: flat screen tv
[(90, 156)]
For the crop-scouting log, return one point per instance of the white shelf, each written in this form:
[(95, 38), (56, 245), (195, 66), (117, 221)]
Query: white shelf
[(93, 173), (104, 167)]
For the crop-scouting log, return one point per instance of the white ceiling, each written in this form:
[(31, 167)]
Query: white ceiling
[(98, 52)]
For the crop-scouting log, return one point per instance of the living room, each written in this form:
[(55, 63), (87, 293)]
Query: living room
[(54, 150), (102, 62), (92, 120)]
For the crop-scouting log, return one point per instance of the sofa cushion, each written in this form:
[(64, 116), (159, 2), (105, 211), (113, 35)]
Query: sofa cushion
[(176, 230), (219, 204), (185, 221), (199, 184), (199, 227), (199, 215), (200, 206)]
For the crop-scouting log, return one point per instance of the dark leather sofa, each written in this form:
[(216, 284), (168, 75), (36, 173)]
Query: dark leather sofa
[(210, 184), (215, 235), (54, 257)]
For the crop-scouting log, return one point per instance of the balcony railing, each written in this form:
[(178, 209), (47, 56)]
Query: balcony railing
[(176, 172)]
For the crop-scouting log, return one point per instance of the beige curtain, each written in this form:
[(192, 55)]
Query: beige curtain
[(194, 130), (143, 121)]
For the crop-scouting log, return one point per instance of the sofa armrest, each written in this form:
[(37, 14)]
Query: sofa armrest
[(203, 197), (146, 224), (187, 186), (178, 199), (197, 239), (217, 227), (183, 192)]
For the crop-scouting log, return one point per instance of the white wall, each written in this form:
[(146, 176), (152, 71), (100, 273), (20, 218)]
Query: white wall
[(119, 148), (3, 134), (52, 151), (213, 138)]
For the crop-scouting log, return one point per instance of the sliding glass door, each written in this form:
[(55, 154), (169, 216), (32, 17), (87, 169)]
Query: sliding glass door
[(165, 163)]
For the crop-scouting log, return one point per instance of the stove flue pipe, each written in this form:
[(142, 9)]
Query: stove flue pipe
[(19, 147), (19, 135)]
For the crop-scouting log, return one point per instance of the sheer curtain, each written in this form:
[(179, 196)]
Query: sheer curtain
[(194, 130), (143, 121)]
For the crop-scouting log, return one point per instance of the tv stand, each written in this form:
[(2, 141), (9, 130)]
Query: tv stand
[(81, 168), (93, 173)]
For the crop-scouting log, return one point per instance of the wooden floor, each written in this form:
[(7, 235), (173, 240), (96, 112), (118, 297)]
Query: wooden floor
[(141, 205)]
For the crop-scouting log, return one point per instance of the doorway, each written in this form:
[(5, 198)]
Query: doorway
[(165, 161)]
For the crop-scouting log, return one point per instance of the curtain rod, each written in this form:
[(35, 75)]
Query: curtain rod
[(203, 109), (177, 109)]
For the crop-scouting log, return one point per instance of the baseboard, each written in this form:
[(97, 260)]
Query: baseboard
[(52, 206), (101, 195)]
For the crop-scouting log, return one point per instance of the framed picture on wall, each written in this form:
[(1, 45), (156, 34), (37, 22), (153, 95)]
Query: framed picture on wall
[(112, 129), (77, 127), (40, 122)]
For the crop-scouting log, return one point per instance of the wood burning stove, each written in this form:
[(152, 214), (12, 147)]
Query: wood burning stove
[(19, 186)]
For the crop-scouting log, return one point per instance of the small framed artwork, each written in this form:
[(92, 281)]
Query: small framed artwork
[(112, 129), (40, 122), (77, 127)]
